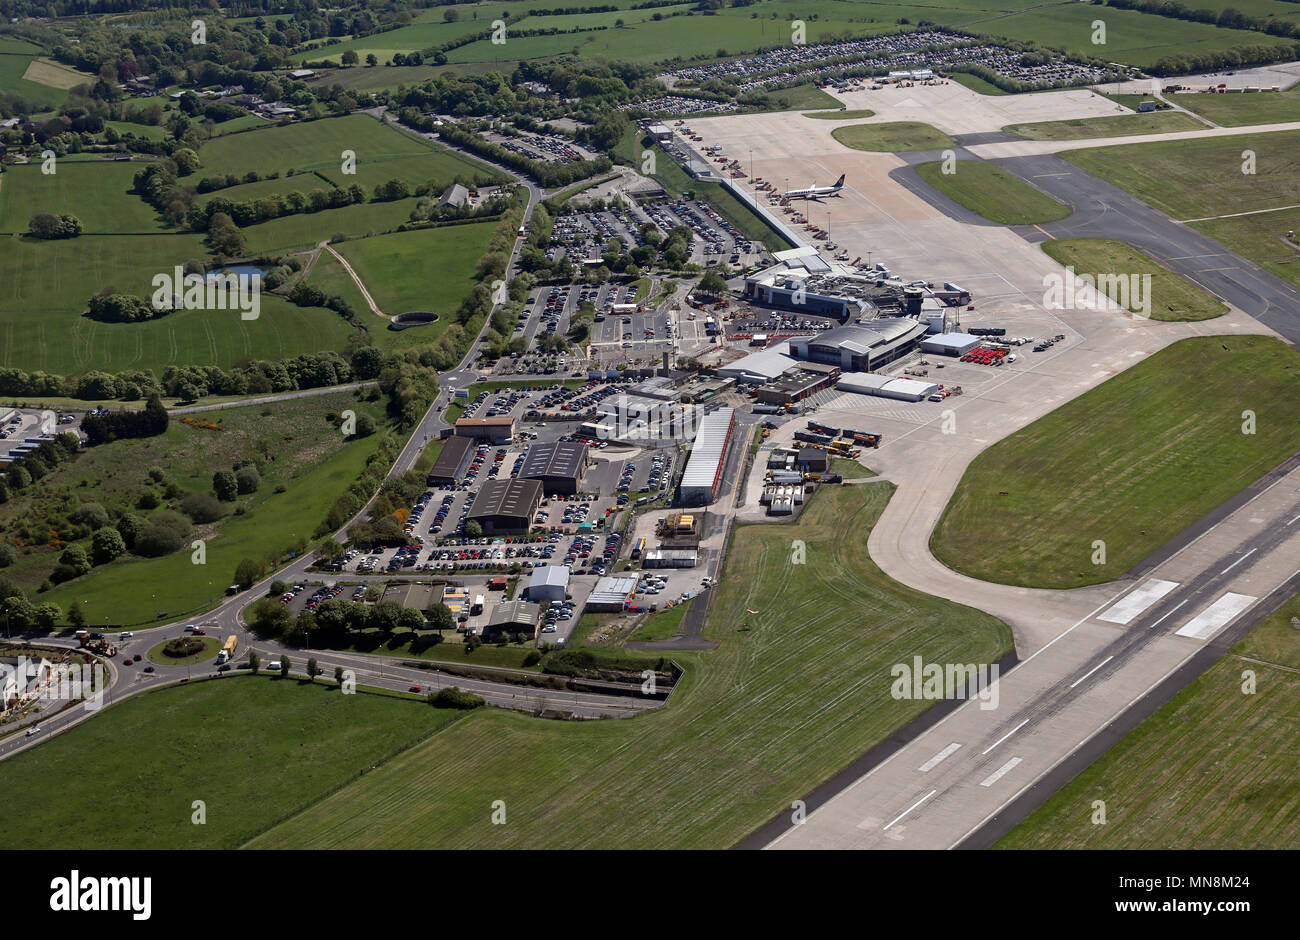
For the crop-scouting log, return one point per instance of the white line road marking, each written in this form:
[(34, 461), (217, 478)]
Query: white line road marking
[(1134, 603), (1217, 616), (1004, 737), (909, 809), (1091, 671), (939, 758), (1238, 561), (1289, 521), (1000, 772)]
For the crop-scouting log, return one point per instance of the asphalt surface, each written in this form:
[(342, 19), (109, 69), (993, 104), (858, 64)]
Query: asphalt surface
[(1105, 211)]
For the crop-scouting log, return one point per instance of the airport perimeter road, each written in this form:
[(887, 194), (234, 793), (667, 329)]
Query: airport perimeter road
[(961, 775), (1105, 211)]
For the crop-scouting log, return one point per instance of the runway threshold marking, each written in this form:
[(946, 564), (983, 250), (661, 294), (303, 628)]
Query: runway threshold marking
[(1217, 616), (909, 809), (939, 758), (1138, 601), (1000, 772)]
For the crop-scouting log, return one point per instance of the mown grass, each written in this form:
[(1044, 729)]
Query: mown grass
[(1235, 110), (1112, 125), (1172, 297), (845, 115), (892, 137), (993, 193), (1212, 769), (1130, 463), (254, 749), (732, 747)]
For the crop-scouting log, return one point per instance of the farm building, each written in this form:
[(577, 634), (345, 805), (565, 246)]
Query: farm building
[(557, 465), (505, 506)]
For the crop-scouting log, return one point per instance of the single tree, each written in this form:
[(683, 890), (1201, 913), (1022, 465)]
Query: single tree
[(284, 667), (254, 661), (313, 669)]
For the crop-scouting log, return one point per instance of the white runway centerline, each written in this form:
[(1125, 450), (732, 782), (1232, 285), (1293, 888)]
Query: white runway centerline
[(1217, 616), (1138, 600)]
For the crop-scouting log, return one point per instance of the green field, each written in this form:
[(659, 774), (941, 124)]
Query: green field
[(395, 269), (732, 747), (96, 193), (314, 145), (1132, 463), (1172, 297), (13, 66), (661, 625), (1203, 179), (45, 287), (1132, 38), (994, 193), (892, 137), (253, 749), (309, 228), (1239, 109), (1193, 179), (314, 463), (845, 115), (1114, 125), (1212, 769), (975, 83)]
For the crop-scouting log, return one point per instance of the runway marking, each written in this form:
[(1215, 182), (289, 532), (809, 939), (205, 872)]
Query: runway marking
[(939, 758), (1234, 215), (1217, 616), (1004, 737), (1239, 561), (909, 809), (1135, 603), (1289, 521), (1091, 671), (1000, 772)]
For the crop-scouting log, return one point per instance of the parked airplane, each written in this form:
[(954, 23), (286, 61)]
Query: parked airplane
[(815, 191)]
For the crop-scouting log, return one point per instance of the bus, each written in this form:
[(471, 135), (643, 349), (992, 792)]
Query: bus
[(638, 549), (477, 607), (228, 649)]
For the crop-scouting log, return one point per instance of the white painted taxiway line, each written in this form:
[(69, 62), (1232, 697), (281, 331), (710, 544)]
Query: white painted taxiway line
[(939, 758), (1004, 737), (1217, 616), (1137, 602), (1000, 772), (1091, 671), (909, 809)]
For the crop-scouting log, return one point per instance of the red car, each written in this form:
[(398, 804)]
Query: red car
[(199, 631), (414, 688)]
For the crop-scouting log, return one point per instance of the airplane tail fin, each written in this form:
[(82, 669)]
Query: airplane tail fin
[(840, 181)]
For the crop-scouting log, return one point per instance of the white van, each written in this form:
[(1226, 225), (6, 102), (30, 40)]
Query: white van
[(273, 666)]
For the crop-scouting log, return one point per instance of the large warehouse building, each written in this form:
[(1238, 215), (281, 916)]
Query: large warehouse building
[(886, 386), (950, 344), (452, 461), (557, 465), (506, 506), (494, 430), (610, 594), (548, 583), (708, 457), (861, 347)]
